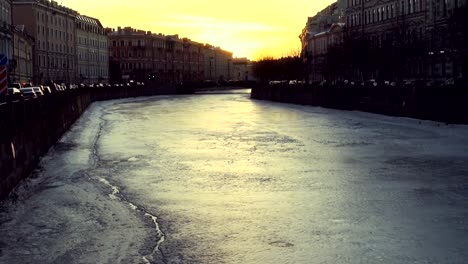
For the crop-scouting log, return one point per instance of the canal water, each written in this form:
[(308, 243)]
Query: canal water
[(221, 178)]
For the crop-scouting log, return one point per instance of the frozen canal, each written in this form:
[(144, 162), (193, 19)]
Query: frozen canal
[(220, 178)]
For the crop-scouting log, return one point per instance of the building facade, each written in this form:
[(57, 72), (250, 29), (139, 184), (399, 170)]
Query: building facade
[(387, 40), (6, 34), (241, 71), (142, 55), (53, 28), (92, 51), (447, 39), (218, 64), (416, 38), (22, 56), (321, 39), (393, 33)]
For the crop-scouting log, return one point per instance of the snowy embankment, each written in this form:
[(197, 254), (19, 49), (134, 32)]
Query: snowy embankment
[(64, 213)]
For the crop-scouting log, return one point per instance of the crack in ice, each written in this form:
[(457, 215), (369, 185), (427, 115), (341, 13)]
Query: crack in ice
[(117, 195)]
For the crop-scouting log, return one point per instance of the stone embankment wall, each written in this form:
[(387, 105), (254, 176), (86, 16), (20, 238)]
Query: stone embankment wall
[(444, 104), (28, 128)]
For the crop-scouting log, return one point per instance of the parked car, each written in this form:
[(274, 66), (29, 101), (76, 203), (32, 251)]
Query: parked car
[(28, 92), (46, 89), (15, 85), (14, 93), (38, 90)]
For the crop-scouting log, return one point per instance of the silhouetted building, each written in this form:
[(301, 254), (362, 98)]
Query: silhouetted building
[(53, 27), (141, 55), (241, 71), (218, 64)]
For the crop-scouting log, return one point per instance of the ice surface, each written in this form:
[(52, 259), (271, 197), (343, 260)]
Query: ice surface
[(220, 178)]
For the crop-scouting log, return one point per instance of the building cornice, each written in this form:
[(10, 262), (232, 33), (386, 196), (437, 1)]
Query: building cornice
[(51, 5)]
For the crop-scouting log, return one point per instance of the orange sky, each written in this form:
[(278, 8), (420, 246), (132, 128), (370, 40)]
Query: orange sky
[(248, 28)]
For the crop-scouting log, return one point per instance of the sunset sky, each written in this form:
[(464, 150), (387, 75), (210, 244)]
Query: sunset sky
[(248, 28)]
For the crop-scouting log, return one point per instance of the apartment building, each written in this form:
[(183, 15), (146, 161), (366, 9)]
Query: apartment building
[(53, 28), (6, 35), (218, 64), (416, 38), (387, 40), (142, 55), (136, 55), (22, 56), (321, 36), (92, 51)]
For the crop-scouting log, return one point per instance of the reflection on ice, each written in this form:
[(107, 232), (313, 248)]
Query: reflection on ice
[(235, 180)]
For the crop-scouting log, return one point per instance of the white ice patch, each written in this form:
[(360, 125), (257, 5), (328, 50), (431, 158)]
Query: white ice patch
[(132, 159), (115, 189)]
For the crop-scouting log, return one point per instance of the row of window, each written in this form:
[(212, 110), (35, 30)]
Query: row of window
[(129, 43), (54, 34), (384, 12), (53, 62), (443, 7), (138, 43), (131, 66), (321, 45), (148, 54), (142, 66), (92, 42), (92, 57), (6, 47), (54, 47), (90, 28), (53, 19), (5, 14), (93, 72)]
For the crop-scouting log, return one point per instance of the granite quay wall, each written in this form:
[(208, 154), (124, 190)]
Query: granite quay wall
[(445, 103), (29, 127)]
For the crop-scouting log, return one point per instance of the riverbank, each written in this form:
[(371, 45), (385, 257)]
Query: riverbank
[(67, 212), (448, 105)]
